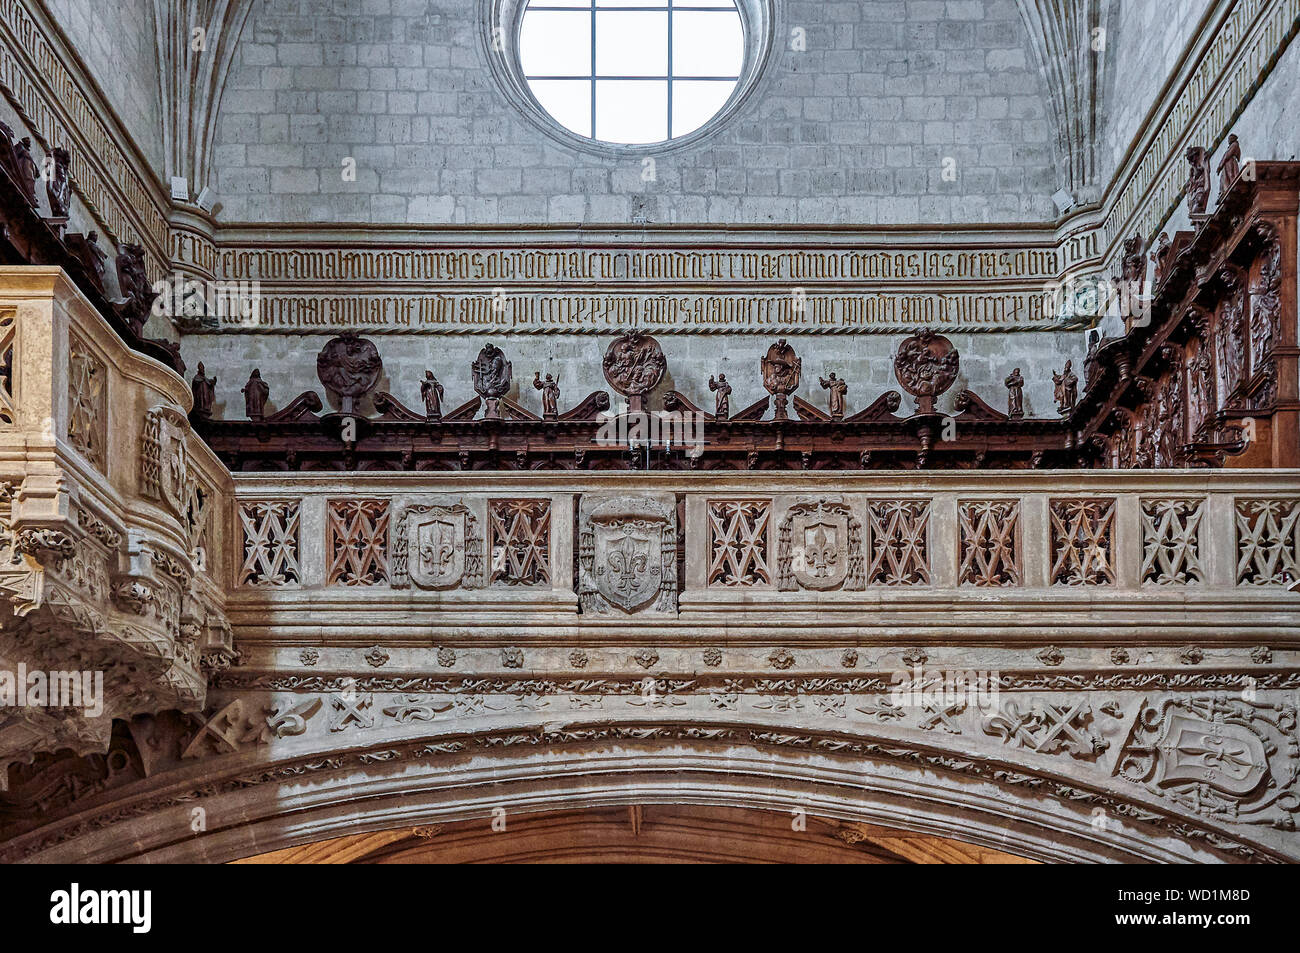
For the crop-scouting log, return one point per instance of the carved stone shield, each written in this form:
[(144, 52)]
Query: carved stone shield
[(437, 549), (166, 467), (819, 549), (628, 555), (1227, 757)]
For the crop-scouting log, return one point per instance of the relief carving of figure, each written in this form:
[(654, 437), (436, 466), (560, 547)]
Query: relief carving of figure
[(1198, 180), (1067, 389), (59, 188), (838, 387), (926, 366), (492, 375), (255, 392), (431, 391), (550, 389), (205, 393), (722, 398), (1015, 395), (634, 365), (349, 366), (133, 283), (1134, 266), (1229, 166), (1161, 257), (781, 371)]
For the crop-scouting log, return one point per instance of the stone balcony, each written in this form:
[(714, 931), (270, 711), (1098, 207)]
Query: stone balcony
[(105, 560)]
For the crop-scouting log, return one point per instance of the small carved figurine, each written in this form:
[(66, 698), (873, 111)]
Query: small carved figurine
[(1161, 257), (431, 391), (85, 248), (1067, 389), (133, 283), (1229, 166), (1134, 266), (722, 398), (1198, 180), (205, 393), (28, 170), (1015, 395), (492, 373), (550, 389), (255, 392), (837, 387), (59, 187)]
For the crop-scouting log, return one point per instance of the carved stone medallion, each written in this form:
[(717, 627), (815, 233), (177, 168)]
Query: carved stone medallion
[(628, 555), (438, 547), (820, 547), (634, 365), (926, 366), (350, 367)]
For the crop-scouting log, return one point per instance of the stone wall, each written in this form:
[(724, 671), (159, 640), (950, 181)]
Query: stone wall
[(854, 129)]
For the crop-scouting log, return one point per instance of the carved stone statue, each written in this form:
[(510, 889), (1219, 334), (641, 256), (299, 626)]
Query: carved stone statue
[(550, 389), (1161, 257), (722, 398), (1067, 389), (133, 282), (85, 248), (59, 187), (1015, 395), (1229, 166), (1133, 265), (926, 366), (28, 170), (205, 393), (255, 392), (781, 371), (350, 367), (837, 387), (492, 373), (1198, 180), (634, 365), (431, 391)]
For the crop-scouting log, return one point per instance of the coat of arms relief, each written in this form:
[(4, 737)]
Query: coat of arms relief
[(628, 555), (437, 547), (819, 547)]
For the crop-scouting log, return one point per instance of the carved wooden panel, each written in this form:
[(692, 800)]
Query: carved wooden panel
[(990, 547), (1268, 541), (87, 403), (738, 543), (270, 529), (1171, 532), (1082, 542), (898, 530), (520, 542), (356, 543)]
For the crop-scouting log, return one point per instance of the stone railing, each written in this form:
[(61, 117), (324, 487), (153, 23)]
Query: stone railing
[(1053, 556), (108, 557)]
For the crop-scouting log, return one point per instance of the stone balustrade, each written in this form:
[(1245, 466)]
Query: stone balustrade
[(107, 562)]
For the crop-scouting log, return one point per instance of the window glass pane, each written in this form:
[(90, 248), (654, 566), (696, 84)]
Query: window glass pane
[(567, 100), (631, 43), (631, 110), (543, 4), (614, 4), (706, 44), (695, 102), (555, 43)]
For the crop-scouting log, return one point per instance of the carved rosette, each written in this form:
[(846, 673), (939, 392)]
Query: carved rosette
[(926, 366), (437, 547), (628, 554)]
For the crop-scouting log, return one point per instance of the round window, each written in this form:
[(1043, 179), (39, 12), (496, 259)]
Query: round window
[(633, 72)]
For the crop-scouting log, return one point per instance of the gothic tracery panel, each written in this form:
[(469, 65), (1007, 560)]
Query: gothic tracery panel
[(356, 544), (898, 530), (8, 340), (1268, 542), (990, 548), (738, 543), (87, 403), (270, 530), (520, 542), (1171, 541), (1082, 542)]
